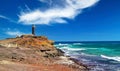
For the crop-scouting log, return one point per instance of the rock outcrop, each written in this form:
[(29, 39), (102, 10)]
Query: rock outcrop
[(33, 53), (40, 43)]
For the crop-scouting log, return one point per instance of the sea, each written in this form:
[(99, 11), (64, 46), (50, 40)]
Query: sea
[(98, 56)]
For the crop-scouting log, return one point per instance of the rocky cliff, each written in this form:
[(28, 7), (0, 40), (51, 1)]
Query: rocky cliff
[(33, 53), (40, 43)]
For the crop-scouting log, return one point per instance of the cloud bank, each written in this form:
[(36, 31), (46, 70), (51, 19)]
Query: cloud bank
[(56, 14)]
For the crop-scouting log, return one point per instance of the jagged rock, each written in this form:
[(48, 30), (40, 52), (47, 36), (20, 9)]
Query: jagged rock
[(40, 43), (35, 53)]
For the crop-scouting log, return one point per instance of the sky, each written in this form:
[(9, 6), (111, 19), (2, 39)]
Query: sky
[(62, 20)]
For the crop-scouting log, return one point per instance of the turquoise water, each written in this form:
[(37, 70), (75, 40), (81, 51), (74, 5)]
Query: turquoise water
[(101, 56)]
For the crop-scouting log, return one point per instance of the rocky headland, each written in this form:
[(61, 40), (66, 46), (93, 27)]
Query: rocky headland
[(34, 53)]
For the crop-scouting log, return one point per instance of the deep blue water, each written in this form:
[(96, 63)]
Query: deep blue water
[(99, 56)]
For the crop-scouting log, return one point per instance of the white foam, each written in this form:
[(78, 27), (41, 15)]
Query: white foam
[(62, 44), (65, 47), (113, 58), (76, 49), (72, 49), (77, 43)]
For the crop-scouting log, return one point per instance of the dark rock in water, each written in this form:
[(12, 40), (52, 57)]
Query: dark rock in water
[(79, 63), (60, 52)]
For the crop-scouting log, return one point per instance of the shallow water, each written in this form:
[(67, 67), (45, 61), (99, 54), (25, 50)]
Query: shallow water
[(99, 56)]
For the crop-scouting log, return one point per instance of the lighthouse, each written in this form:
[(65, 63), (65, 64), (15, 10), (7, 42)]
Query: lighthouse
[(33, 29)]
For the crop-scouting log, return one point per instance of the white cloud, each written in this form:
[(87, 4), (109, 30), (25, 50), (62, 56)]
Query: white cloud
[(1, 16), (46, 1), (56, 15), (6, 18), (14, 33)]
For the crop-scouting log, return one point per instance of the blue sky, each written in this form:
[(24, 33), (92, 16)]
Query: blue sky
[(62, 20)]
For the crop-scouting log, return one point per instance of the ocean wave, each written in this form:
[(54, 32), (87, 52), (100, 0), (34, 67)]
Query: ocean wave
[(76, 49), (72, 49), (65, 47), (77, 43), (62, 44), (112, 58), (69, 48)]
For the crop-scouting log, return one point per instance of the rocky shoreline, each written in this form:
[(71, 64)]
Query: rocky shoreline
[(34, 55)]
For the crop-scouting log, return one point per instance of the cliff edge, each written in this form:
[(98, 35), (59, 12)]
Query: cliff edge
[(33, 53), (40, 43)]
